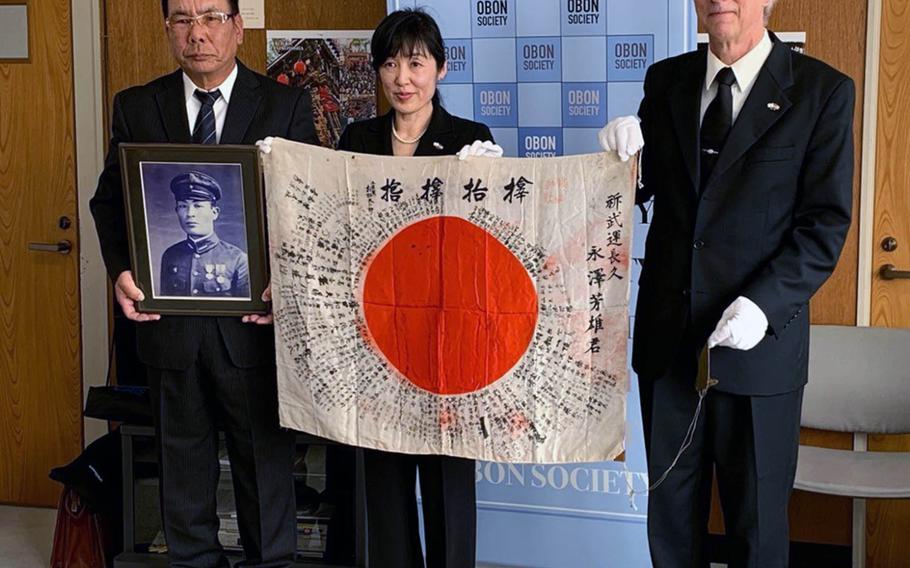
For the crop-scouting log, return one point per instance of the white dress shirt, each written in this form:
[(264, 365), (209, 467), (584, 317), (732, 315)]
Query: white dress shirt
[(745, 69), (193, 105)]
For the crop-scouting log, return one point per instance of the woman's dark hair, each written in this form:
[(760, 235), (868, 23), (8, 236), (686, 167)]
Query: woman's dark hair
[(407, 32), (235, 7)]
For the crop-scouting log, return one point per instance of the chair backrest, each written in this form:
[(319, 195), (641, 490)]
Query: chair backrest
[(859, 380)]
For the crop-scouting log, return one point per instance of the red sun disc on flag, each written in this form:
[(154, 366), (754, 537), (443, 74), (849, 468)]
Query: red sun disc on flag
[(450, 307)]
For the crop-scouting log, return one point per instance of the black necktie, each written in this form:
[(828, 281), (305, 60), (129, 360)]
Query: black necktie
[(204, 131), (717, 123)]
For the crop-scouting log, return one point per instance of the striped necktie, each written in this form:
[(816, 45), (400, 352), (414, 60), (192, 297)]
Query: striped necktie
[(204, 131)]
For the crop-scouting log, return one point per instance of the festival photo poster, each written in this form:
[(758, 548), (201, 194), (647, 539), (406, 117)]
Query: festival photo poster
[(334, 67)]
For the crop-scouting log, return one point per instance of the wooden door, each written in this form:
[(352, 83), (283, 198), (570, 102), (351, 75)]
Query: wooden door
[(40, 357), (836, 34), (887, 521)]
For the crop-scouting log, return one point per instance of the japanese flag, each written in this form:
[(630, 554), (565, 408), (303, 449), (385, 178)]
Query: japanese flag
[(474, 308)]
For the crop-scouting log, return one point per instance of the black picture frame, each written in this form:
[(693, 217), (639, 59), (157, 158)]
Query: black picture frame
[(180, 268)]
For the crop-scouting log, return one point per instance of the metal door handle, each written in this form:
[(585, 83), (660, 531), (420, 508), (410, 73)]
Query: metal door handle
[(889, 272), (63, 247)]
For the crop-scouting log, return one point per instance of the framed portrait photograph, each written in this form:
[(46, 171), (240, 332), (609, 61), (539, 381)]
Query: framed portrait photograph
[(196, 227)]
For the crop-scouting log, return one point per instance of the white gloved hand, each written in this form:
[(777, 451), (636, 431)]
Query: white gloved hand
[(265, 145), (480, 149), (623, 136), (742, 326)]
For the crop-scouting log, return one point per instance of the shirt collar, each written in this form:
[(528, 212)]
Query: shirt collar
[(226, 87), (204, 244), (746, 68)]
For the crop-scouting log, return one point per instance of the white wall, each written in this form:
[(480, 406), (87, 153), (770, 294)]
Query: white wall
[(90, 135)]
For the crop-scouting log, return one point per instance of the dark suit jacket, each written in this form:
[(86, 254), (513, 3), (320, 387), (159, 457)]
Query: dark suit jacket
[(156, 112), (450, 133), (769, 225)]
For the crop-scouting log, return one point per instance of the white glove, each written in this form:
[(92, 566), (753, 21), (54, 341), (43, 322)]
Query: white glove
[(623, 136), (480, 149), (265, 146), (742, 326)]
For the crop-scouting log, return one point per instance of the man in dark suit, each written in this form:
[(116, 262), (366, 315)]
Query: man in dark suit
[(748, 154), (207, 372)]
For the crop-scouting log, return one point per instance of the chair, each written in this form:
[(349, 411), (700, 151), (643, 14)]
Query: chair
[(859, 382)]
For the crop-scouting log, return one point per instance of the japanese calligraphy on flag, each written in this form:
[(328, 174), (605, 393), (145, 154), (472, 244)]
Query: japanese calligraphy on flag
[(473, 308)]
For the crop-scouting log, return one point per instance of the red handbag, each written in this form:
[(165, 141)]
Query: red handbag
[(79, 538)]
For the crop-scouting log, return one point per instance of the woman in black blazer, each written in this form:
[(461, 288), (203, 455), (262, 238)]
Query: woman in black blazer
[(409, 59)]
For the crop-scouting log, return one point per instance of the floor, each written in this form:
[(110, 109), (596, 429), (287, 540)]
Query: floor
[(26, 537)]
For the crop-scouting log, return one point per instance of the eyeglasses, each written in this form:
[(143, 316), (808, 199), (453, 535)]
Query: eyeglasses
[(182, 22)]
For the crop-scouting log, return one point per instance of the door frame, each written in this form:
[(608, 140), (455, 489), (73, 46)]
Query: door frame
[(88, 101), (866, 219), (866, 215)]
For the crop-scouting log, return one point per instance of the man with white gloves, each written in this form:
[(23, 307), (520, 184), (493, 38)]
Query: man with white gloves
[(747, 151)]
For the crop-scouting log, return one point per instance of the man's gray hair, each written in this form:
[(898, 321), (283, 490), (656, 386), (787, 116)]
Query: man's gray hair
[(768, 7)]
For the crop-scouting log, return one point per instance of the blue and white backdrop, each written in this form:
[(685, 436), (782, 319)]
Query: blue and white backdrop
[(545, 75)]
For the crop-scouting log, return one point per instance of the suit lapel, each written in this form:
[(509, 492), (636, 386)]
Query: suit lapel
[(439, 139), (379, 138), (172, 107), (245, 100), (766, 104), (685, 106), (384, 131)]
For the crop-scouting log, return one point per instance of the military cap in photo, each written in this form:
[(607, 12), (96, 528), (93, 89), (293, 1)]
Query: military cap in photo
[(195, 186)]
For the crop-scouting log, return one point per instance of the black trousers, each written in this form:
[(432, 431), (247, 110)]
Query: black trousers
[(449, 510), (750, 442), (191, 405)]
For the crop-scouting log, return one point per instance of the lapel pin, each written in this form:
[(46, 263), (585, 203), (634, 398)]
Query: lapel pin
[(437, 145), (774, 106)]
